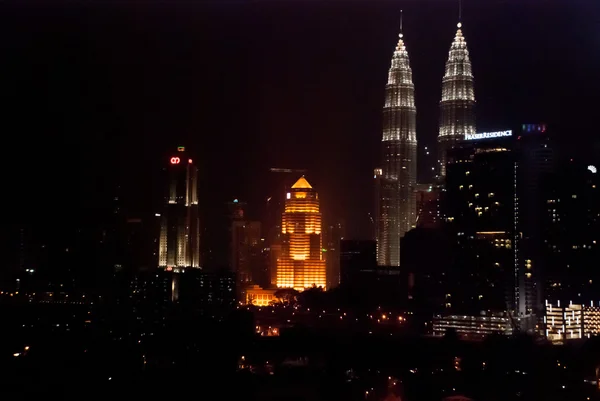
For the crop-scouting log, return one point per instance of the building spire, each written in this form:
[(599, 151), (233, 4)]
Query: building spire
[(401, 31), (396, 201), (457, 108)]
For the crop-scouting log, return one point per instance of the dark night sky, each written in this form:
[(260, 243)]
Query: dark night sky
[(95, 92)]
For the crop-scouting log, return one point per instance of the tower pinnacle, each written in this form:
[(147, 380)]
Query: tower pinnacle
[(457, 118), (401, 32)]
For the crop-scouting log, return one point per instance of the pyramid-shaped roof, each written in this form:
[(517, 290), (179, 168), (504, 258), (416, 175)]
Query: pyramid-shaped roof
[(301, 184)]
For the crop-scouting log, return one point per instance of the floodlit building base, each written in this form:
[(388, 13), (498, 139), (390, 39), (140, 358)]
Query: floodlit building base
[(258, 296)]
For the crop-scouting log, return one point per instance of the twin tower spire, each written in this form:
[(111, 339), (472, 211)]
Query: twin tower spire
[(397, 177)]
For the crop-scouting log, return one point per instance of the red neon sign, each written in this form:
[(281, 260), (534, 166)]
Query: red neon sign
[(175, 160)]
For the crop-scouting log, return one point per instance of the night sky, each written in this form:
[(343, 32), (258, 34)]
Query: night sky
[(95, 93)]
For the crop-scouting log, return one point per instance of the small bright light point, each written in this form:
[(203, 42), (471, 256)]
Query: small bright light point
[(401, 36), (592, 169), (459, 25)]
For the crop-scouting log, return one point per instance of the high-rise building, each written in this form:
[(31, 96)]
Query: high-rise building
[(428, 213), (355, 257), (377, 176), (481, 211), (277, 185), (333, 234), (535, 164), (493, 205), (246, 251), (572, 232), (396, 212), (272, 255), (179, 245), (457, 108), (246, 246), (301, 264), (278, 181)]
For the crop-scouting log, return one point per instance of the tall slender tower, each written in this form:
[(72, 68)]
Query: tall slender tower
[(397, 180), (301, 264), (179, 246), (457, 108)]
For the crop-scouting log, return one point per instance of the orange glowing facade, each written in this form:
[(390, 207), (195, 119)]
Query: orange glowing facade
[(301, 264)]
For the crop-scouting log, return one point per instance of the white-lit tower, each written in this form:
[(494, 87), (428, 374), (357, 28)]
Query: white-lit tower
[(457, 108), (398, 174), (179, 244)]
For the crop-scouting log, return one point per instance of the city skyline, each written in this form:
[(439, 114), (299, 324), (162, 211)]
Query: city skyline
[(158, 203), (114, 152)]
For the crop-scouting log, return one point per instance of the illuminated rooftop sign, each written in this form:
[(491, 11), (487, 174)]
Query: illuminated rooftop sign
[(593, 169), (175, 160), (488, 135), (533, 127), (181, 148)]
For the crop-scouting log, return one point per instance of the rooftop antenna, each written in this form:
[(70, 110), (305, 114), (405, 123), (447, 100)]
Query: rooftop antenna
[(401, 15), (459, 14)]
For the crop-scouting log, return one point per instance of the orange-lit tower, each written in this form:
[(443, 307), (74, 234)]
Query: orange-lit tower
[(301, 264)]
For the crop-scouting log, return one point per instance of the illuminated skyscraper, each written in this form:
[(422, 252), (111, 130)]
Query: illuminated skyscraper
[(397, 178), (301, 264), (457, 108), (245, 248), (179, 246)]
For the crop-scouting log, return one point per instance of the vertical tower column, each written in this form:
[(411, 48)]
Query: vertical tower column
[(457, 107), (397, 178)]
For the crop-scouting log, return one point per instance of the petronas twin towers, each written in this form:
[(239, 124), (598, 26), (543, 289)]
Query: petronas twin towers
[(397, 201), (457, 108), (397, 177)]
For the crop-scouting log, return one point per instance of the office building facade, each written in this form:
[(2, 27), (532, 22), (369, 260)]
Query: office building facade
[(301, 264), (179, 243)]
